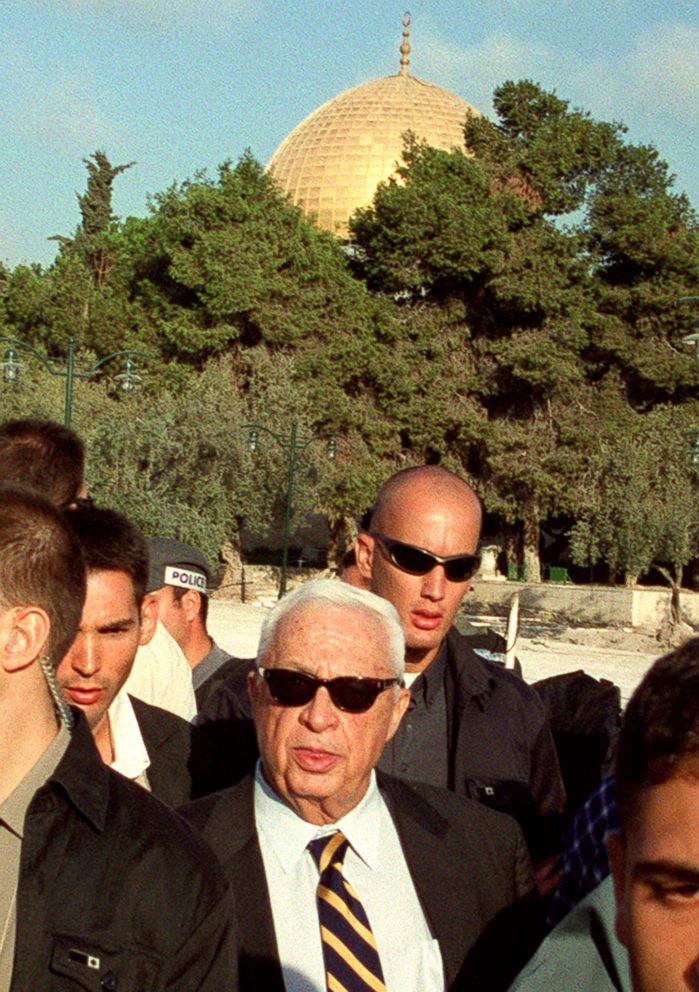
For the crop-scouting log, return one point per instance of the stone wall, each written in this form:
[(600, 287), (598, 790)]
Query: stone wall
[(643, 607)]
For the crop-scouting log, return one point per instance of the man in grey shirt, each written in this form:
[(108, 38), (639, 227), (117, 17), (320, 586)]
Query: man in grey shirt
[(471, 726)]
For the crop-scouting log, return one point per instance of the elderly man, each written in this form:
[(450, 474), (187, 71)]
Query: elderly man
[(316, 838), (471, 726), (101, 886)]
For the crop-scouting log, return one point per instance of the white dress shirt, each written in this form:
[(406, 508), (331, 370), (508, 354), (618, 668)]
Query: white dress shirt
[(130, 754), (375, 867)]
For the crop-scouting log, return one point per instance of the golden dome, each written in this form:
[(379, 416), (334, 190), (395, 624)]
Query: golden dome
[(332, 162)]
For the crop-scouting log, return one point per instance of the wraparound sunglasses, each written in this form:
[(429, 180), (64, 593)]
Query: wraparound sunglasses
[(417, 561), (348, 692)]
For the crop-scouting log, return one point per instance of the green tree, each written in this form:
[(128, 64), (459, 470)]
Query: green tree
[(91, 242), (535, 293), (641, 507)]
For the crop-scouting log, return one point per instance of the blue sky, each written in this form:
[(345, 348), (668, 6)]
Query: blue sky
[(182, 85)]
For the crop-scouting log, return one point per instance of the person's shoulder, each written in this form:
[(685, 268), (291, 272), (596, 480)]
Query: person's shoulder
[(485, 673), (456, 811), (223, 816), (155, 846), (582, 951), (148, 715), (144, 819), (231, 667), (228, 697)]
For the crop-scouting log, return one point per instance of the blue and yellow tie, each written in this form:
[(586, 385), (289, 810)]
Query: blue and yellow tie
[(351, 958)]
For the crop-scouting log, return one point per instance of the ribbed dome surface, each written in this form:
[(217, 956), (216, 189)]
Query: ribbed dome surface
[(332, 162)]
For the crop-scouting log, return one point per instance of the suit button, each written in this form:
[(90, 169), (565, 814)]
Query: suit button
[(109, 982)]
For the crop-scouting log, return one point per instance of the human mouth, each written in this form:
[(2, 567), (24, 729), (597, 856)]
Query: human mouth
[(83, 695), (314, 760), (426, 619)]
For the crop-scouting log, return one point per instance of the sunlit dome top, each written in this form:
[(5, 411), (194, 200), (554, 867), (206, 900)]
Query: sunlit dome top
[(332, 162)]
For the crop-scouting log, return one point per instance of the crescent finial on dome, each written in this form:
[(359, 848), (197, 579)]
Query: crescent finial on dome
[(405, 45)]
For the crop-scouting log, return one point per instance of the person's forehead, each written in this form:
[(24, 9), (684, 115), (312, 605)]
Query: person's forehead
[(109, 591), (664, 821), (332, 636), (440, 529), (421, 508)]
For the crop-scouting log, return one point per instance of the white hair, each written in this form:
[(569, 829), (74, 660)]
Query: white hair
[(338, 594)]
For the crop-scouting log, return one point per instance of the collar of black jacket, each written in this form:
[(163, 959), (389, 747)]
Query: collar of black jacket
[(81, 775), (469, 671)]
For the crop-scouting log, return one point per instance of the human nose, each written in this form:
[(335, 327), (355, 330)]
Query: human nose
[(320, 713), (84, 656), (434, 584)]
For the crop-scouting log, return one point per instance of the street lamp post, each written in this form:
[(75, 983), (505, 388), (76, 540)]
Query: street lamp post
[(127, 379), (692, 340), (291, 444)]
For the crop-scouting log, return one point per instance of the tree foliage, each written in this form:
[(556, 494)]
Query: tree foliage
[(548, 304), (509, 311), (641, 497)]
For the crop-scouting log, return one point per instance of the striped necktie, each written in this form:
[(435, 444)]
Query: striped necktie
[(351, 959)]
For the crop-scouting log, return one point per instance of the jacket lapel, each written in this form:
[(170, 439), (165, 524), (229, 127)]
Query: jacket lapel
[(435, 858), (259, 965)]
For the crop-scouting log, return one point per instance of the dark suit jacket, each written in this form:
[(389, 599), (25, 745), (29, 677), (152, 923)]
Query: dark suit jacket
[(468, 863), (168, 742)]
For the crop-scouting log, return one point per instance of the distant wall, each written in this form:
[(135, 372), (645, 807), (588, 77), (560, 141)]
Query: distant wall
[(599, 606), (646, 608)]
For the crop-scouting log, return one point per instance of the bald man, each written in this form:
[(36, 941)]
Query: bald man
[(472, 726)]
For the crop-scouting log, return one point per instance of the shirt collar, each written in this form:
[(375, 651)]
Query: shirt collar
[(14, 808), (130, 754), (288, 835), (431, 680)]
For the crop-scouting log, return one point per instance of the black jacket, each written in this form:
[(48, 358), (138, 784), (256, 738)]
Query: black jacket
[(501, 750), (470, 868), (116, 893), (168, 742)]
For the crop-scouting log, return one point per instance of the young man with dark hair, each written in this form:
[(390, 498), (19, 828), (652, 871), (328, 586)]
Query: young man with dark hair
[(101, 887), (49, 458), (655, 854), (650, 940), (46, 457), (143, 742)]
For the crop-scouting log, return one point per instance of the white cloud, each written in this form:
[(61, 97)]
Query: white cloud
[(474, 71), (663, 69), (161, 14), (56, 108), (656, 79)]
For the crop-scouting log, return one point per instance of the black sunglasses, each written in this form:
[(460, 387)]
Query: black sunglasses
[(417, 561), (348, 692)]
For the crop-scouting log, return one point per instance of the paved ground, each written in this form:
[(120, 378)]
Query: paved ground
[(236, 627)]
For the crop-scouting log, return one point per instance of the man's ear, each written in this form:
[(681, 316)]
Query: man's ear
[(149, 618), (364, 548), (190, 603), (617, 861), (23, 636)]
